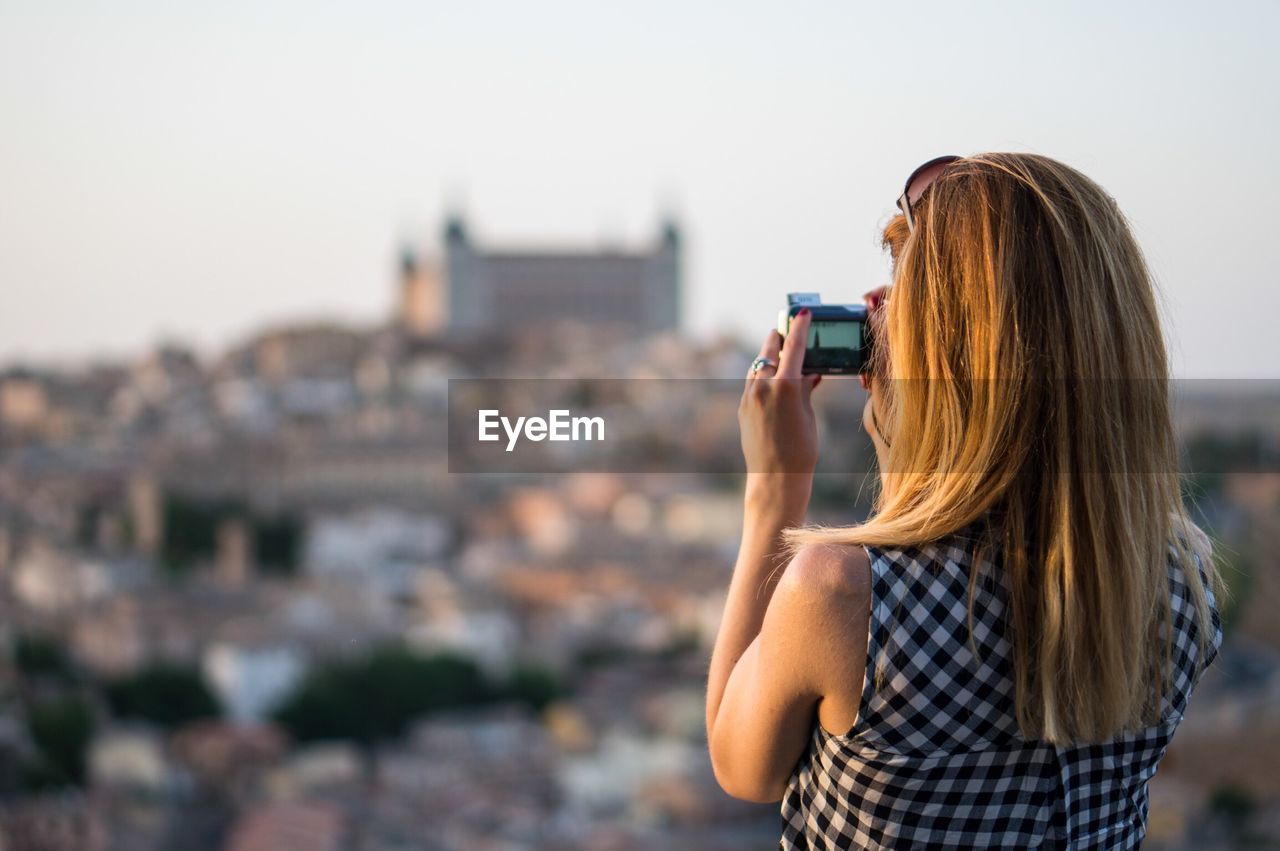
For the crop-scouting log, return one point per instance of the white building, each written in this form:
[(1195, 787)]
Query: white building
[(251, 679), (609, 778), (131, 759), (385, 546), (51, 581)]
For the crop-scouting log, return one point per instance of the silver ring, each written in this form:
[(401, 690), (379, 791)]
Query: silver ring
[(760, 363)]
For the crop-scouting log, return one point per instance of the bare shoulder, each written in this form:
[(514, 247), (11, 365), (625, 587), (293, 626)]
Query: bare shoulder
[(822, 606), (835, 573)]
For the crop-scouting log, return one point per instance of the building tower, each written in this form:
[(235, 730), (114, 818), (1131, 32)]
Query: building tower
[(421, 298)]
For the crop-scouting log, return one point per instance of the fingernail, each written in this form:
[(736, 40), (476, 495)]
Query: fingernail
[(804, 311)]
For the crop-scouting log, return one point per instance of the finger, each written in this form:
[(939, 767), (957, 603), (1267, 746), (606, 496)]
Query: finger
[(810, 383), (772, 346), (792, 359), (771, 349)]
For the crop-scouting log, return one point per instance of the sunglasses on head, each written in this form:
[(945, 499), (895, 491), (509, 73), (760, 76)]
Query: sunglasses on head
[(919, 182)]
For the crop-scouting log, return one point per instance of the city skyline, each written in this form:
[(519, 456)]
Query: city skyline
[(275, 274), (197, 175)]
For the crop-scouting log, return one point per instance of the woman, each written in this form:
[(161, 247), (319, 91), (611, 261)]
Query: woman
[(1000, 655)]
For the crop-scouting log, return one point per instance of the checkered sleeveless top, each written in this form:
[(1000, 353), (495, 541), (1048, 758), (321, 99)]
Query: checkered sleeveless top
[(935, 759)]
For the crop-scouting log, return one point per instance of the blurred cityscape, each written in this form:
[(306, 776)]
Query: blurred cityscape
[(245, 606)]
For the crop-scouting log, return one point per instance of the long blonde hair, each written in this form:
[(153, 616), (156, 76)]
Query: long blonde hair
[(1025, 384)]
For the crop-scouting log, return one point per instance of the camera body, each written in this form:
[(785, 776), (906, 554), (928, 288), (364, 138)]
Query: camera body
[(839, 335)]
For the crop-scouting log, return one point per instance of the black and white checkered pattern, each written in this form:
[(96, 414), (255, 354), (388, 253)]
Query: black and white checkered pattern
[(935, 759)]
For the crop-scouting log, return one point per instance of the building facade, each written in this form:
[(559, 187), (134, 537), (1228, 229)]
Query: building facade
[(494, 289)]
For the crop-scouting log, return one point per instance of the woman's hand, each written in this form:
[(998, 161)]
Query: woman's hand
[(779, 432)]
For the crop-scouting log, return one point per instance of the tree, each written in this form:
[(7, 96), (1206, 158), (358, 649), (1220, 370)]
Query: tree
[(534, 686), (277, 541), (191, 533), (61, 729), (163, 694), (1232, 803), (190, 530), (40, 656), (377, 697)]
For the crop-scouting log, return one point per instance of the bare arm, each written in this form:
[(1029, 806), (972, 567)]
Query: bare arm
[(766, 677), (785, 644), (811, 644), (779, 444), (755, 575)]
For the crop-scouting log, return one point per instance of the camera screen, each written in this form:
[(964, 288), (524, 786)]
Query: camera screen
[(835, 335)]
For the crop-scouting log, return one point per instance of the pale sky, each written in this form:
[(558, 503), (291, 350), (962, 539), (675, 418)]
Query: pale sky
[(196, 171)]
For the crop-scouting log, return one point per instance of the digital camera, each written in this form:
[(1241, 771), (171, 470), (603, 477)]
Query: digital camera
[(839, 335)]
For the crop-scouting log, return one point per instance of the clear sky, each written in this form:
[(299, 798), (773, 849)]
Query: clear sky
[(198, 170)]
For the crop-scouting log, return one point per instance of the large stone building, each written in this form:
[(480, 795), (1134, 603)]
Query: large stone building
[(484, 289)]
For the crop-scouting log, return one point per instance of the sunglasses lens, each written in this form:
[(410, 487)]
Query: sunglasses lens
[(923, 177)]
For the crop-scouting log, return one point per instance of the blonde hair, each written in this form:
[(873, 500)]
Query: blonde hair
[(1027, 387)]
